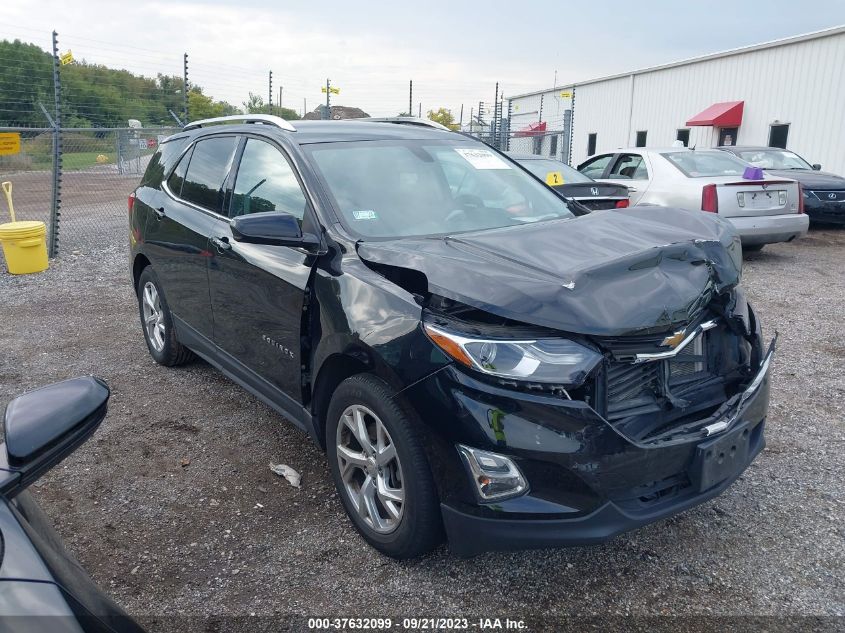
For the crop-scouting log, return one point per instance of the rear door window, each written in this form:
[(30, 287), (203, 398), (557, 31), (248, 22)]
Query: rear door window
[(207, 172), (629, 167), (266, 182)]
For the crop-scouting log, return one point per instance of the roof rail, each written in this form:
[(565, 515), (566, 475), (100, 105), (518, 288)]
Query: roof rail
[(407, 120), (266, 119)]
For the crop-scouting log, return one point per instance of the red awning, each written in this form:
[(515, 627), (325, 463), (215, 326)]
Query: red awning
[(533, 129), (726, 114)]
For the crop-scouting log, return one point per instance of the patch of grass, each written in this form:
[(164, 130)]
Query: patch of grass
[(83, 160)]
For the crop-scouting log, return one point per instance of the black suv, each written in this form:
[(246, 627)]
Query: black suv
[(474, 355)]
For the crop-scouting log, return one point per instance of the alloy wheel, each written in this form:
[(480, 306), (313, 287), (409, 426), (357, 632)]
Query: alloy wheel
[(153, 316), (370, 469)]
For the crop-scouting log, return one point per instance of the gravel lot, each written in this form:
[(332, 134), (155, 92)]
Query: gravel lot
[(172, 507)]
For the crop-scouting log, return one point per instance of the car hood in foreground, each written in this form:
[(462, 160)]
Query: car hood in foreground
[(606, 273), (809, 178)]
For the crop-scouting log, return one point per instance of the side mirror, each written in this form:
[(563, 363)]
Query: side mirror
[(272, 227), (817, 167), (46, 425)]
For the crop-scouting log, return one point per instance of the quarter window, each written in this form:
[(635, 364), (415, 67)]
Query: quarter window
[(595, 168), (266, 182), (174, 183), (207, 172)]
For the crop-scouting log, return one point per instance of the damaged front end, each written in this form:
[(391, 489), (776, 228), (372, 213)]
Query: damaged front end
[(625, 378), (630, 436), (652, 388)]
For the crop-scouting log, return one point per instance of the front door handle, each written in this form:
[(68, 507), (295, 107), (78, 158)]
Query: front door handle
[(159, 213), (221, 243)]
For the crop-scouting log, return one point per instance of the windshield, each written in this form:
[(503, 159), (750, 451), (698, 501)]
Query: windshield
[(774, 159), (402, 188), (546, 169), (698, 164)]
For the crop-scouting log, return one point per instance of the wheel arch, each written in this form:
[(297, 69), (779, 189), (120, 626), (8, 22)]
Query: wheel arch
[(138, 265), (337, 367)]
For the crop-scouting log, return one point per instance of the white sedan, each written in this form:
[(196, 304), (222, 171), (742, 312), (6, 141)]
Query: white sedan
[(764, 209)]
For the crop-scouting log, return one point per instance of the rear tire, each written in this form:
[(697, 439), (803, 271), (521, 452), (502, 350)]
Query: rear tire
[(157, 322), (377, 457)]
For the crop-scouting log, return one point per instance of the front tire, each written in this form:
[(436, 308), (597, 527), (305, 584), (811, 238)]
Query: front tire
[(157, 323), (380, 469)]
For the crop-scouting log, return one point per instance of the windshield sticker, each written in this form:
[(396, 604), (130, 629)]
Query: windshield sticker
[(365, 214), (482, 158), (554, 178)]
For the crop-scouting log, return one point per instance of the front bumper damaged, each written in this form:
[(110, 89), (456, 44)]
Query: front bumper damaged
[(588, 482)]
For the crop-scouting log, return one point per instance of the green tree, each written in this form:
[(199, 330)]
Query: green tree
[(443, 117), (255, 105), (202, 106), (25, 80)]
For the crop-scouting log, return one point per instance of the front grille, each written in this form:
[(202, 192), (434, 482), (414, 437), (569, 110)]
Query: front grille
[(829, 196), (642, 388), (631, 387)]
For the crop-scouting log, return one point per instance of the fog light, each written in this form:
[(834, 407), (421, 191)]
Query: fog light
[(495, 476)]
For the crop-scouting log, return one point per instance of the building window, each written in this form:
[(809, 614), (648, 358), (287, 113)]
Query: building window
[(553, 146), (641, 137), (591, 144), (683, 136), (777, 135)]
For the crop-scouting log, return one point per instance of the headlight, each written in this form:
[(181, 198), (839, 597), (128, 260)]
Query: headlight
[(558, 361)]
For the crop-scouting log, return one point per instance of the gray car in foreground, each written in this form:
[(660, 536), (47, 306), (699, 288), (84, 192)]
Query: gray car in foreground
[(764, 209)]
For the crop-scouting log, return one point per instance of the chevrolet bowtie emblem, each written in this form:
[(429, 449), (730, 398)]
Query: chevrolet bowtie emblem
[(674, 340)]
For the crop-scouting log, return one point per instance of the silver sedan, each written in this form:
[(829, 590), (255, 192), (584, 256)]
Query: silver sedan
[(764, 209)]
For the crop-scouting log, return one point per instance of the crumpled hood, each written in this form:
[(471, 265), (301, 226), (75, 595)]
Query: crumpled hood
[(606, 273), (810, 179)]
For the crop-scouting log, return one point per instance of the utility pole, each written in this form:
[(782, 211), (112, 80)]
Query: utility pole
[(280, 96), (494, 124), (327, 114), (55, 208), (185, 88), (304, 106), (411, 98), (420, 114), (270, 92)]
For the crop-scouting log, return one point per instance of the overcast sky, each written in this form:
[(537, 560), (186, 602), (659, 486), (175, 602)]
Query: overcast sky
[(454, 52)]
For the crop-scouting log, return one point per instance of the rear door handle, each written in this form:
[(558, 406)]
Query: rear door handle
[(221, 243), (159, 213)]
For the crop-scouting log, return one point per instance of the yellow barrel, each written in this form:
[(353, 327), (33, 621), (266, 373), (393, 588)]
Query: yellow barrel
[(24, 246)]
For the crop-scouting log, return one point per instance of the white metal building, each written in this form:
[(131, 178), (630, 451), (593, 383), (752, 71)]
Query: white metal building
[(788, 92)]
